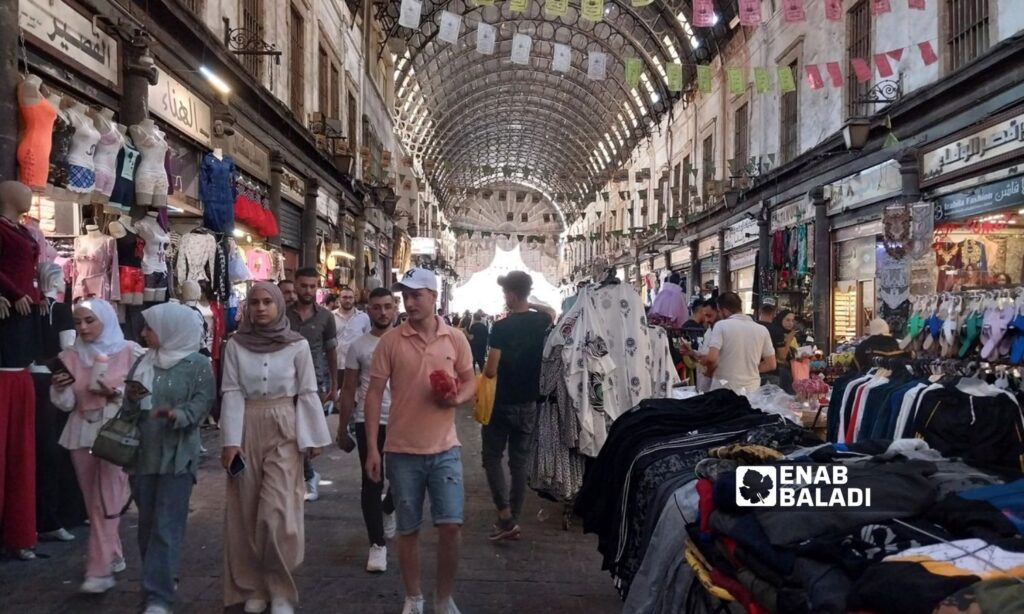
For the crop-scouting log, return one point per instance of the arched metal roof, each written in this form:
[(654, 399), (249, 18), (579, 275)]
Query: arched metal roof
[(476, 120)]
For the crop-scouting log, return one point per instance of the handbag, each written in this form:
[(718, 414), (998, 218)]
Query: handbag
[(118, 440)]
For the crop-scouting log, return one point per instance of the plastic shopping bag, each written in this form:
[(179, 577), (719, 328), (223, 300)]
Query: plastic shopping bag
[(485, 388)]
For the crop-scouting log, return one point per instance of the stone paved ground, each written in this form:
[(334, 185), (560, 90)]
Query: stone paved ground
[(549, 571)]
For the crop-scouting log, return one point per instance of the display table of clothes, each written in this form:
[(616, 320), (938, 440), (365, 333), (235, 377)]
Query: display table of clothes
[(661, 498)]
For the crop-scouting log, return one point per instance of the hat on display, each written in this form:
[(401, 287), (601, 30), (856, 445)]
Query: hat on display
[(415, 279), (878, 326)]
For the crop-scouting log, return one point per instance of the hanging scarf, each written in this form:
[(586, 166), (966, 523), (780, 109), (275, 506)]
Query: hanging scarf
[(273, 337), (110, 341), (180, 333)]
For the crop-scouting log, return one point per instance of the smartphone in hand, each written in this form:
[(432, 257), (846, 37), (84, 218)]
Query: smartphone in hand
[(57, 367), (237, 466)]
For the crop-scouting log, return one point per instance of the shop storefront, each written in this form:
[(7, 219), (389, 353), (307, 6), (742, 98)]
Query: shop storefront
[(293, 190), (709, 263), (791, 256), (854, 294), (741, 253)]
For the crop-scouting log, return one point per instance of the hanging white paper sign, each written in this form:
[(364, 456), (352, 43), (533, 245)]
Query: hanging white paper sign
[(451, 24), (562, 59), (485, 33), (521, 44), (410, 15), (597, 67)]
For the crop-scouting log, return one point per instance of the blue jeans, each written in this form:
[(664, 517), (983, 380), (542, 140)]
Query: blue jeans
[(412, 476), (163, 511)]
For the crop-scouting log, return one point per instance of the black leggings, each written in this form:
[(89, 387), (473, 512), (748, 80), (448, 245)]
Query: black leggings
[(370, 493)]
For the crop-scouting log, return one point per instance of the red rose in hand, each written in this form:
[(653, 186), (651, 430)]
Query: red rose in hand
[(443, 385)]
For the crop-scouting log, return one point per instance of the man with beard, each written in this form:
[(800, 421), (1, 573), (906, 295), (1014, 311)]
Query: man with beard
[(287, 287), (352, 324), (379, 516), (317, 325)]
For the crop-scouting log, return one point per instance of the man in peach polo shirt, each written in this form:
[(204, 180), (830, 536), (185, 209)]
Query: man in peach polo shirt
[(422, 451)]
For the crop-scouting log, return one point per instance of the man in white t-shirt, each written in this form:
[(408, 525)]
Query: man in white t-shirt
[(379, 516), (739, 349), (352, 324)]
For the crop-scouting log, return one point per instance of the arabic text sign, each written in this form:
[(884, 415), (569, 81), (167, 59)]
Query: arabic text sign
[(70, 34), (176, 104), (983, 199), (998, 139)]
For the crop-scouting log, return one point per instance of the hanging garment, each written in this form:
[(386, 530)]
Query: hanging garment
[(669, 307), (218, 193), (60, 149), (155, 244), (96, 268), (196, 257), (801, 250), (105, 160), (81, 169), (122, 195), (36, 142), (778, 249)]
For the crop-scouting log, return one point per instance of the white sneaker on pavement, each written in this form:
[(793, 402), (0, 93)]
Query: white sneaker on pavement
[(281, 606), (413, 605), (59, 535), (96, 586), (390, 526), (313, 487), (254, 606), (155, 608), (119, 565), (378, 560), (446, 606)]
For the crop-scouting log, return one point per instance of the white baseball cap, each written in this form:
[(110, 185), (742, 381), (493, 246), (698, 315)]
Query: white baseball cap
[(415, 279)]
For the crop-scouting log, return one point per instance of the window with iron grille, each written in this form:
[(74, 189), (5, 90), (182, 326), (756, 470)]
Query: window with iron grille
[(788, 135), (295, 61), (353, 115), (967, 31), (707, 158), (684, 185), (741, 142), (335, 92), (323, 82), (858, 33), (252, 22)]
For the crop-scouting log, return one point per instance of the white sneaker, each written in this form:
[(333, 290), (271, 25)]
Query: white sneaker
[(313, 488), (390, 526), (154, 608), (281, 606), (446, 607), (119, 565), (254, 606), (413, 605), (378, 561), (96, 586), (60, 535)]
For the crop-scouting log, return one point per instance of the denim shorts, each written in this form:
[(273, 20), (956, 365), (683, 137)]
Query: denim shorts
[(413, 475)]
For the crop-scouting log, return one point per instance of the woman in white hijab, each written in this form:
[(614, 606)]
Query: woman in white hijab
[(172, 389), (91, 391)]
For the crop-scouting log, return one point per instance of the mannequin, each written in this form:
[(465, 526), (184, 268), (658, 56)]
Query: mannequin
[(129, 259), (60, 143), (38, 116), (19, 253), (192, 296), (150, 177), (218, 192), (81, 168), (105, 160), (96, 272), (154, 262), (122, 195), (218, 153)]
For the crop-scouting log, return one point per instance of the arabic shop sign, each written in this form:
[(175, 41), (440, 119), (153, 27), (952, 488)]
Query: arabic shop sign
[(1000, 140), (57, 27), (983, 199), (292, 187), (173, 102), (250, 155)]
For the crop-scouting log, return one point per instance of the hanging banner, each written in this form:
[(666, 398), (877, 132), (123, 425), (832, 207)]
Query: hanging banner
[(592, 10), (674, 76), (927, 53), (750, 13), (521, 44), (814, 77), (556, 8), (880, 6), (793, 11), (703, 78), (633, 68), (409, 17), (884, 68), (562, 58), (519, 6), (895, 54), (835, 73), (762, 80), (893, 277), (834, 10), (917, 5), (485, 34), (787, 83), (734, 75), (597, 65), (703, 13), (451, 24), (861, 69)]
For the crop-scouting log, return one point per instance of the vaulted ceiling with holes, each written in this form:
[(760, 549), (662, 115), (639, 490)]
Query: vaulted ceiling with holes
[(532, 95)]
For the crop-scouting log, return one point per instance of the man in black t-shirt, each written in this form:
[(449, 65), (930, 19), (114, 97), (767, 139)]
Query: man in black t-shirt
[(478, 335), (517, 343)]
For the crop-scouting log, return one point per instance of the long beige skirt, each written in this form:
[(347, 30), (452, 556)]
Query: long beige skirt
[(264, 539)]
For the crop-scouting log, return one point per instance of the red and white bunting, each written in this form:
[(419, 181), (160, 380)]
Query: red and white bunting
[(880, 6), (862, 69), (884, 68), (834, 10), (927, 53), (814, 77), (835, 73)]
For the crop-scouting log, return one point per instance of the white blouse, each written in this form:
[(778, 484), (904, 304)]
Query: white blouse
[(286, 373)]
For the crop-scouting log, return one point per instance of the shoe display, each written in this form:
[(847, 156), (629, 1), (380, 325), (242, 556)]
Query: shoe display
[(281, 606), (254, 606), (390, 525), (446, 606), (378, 559), (119, 566), (155, 608), (313, 487), (499, 533), (97, 586), (413, 605), (59, 535)]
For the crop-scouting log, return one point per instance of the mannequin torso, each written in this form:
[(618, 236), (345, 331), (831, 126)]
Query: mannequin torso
[(123, 193), (81, 169), (150, 177), (105, 160), (63, 134), (96, 266), (38, 116), (156, 242)]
